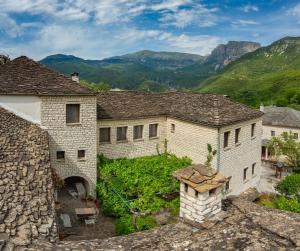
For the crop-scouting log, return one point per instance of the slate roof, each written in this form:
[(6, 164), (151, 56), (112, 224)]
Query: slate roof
[(23, 76), (207, 109), (200, 178), (281, 116)]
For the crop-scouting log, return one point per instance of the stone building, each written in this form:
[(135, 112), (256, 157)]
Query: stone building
[(132, 124), (277, 120), (81, 124), (26, 187), (64, 108)]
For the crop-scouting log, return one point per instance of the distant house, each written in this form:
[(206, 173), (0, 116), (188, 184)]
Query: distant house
[(118, 124), (277, 120)]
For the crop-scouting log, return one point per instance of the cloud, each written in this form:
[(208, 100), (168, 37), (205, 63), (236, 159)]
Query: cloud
[(9, 26), (249, 8), (295, 11), (243, 23), (199, 15)]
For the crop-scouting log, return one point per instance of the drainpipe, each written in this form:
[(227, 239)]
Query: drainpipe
[(218, 150)]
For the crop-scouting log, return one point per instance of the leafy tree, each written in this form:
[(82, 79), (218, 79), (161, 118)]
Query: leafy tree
[(210, 155), (4, 59), (286, 145)]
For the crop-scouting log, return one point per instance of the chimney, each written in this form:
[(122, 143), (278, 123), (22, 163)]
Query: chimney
[(261, 108), (75, 77)]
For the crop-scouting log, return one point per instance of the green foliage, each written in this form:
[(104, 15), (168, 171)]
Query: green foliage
[(286, 145), (145, 223), (284, 203), (290, 185), (210, 155), (269, 75), (124, 225), (138, 184), (101, 86)]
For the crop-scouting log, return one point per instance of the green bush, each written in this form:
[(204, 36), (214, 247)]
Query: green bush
[(145, 223), (290, 185), (124, 225), (283, 203)]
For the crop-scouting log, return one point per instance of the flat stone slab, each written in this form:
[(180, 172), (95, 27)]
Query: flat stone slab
[(66, 220)]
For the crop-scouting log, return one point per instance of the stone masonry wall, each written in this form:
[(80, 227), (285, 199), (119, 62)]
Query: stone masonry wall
[(199, 208), (236, 157), (71, 138), (26, 189), (132, 148), (278, 131)]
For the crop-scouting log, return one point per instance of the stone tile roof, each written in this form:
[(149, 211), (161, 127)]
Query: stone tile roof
[(26, 192), (23, 76), (243, 226), (281, 116), (207, 109), (200, 178)]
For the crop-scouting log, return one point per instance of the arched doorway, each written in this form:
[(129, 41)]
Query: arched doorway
[(77, 186)]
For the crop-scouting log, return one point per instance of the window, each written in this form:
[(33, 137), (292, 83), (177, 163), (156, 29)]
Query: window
[(227, 184), (60, 155), (295, 135), (138, 132), (212, 191), (105, 135), (253, 130), (153, 130), (81, 154), (245, 173), (253, 168), (272, 133), (172, 128), (237, 134), (186, 188), (122, 133), (226, 139), (196, 194), (72, 113)]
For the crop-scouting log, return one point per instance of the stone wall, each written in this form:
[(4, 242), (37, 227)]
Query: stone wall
[(132, 148), (236, 157), (201, 207), (72, 137), (26, 189)]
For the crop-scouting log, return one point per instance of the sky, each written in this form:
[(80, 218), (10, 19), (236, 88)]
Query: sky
[(96, 29)]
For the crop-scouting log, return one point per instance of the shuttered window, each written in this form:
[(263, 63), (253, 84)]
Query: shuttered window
[(138, 132), (153, 130), (72, 113), (122, 133), (105, 135), (226, 139)]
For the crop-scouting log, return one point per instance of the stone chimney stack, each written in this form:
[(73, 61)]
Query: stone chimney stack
[(75, 77), (261, 108)]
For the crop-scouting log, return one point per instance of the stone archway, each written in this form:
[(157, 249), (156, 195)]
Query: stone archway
[(77, 184)]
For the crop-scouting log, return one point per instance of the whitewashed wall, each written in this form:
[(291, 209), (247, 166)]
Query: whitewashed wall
[(26, 107), (278, 130)]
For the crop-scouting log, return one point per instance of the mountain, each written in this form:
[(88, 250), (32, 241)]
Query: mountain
[(149, 70), (270, 75)]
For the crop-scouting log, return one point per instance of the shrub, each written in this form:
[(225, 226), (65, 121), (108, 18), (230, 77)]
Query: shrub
[(290, 185), (283, 203), (124, 225), (145, 223)]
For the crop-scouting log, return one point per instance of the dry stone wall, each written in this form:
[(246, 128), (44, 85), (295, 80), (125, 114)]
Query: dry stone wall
[(26, 189)]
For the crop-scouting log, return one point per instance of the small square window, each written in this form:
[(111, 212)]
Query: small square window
[(212, 192), (153, 130), (186, 187), (272, 133), (81, 154), (72, 113), (253, 129), (253, 168), (172, 128), (237, 135), (226, 139), (105, 135), (122, 133), (245, 173), (60, 155), (295, 135), (138, 132)]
